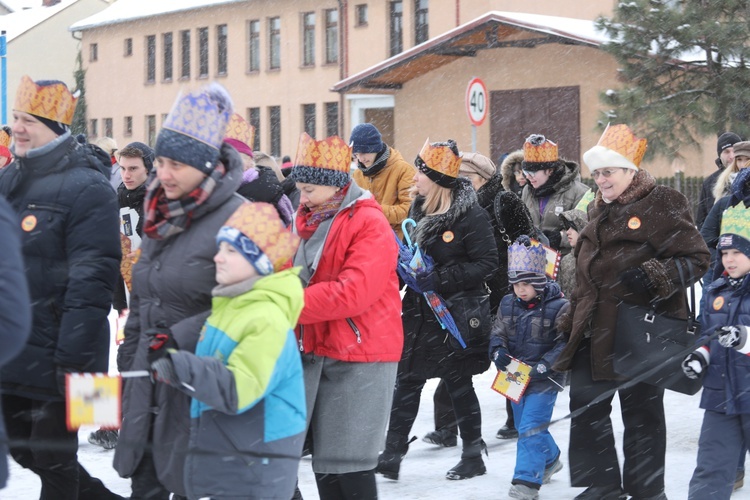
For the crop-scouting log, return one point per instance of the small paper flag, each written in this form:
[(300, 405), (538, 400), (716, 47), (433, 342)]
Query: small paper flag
[(93, 399), (512, 381)]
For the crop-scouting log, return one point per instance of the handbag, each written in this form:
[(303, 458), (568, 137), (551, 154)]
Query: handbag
[(471, 314), (650, 346)]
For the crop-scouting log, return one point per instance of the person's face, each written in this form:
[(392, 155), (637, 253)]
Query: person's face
[(312, 195), (742, 161), (538, 177), (177, 179), (422, 183), (524, 291), (727, 156), (476, 180), (29, 133), (366, 159), (736, 263), (572, 235), (133, 172), (231, 266), (613, 181), (520, 179)]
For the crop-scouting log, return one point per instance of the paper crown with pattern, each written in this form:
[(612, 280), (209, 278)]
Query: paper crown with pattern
[(257, 232), (53, 102), (4, 138), (439, 162), (239, 130), (324, 163), (526, 256), (539, 152), (617, 147), (735, 229)]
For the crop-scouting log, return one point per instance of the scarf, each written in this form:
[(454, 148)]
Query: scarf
[(548, 188), (377, 165), (166, 218), (308, 220)]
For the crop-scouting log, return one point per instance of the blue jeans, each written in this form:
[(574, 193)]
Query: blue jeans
[(536, 449)]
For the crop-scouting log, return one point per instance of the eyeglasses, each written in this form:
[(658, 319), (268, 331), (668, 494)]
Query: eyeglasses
[(605, 172), (529, 173)]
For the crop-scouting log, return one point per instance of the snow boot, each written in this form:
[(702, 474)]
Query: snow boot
[(105, 438), (551, 470), (523, 492), (389, 462), (609, 492), (471, 463), (441, 437), (507, 432)]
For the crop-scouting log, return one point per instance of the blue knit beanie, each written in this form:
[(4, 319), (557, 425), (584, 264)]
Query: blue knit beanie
[(366, 138)]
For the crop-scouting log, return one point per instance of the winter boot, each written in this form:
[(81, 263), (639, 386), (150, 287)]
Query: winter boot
[(523, 492), (441, 437), (105, 438), (506, 432), (389, 462), (551, 470), (739, 480), (609, 492), (471, 463)]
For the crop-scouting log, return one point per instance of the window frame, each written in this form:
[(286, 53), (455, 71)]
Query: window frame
[(253, 118), (274, 43), (150, 59), (361, 13), (222, 50), (127, 47), (308, 39), (274, 128), (203, 54), (127, 126), (185, 54), (332, 118), (395, 27), (421, 21), (167, 40), (253, 46), (331, 31)]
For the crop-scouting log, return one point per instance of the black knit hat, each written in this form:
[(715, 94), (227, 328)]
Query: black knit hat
[(726, 140), (366, 138), (147, 153)]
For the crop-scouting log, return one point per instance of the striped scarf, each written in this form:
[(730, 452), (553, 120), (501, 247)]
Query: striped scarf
[(308, 220)]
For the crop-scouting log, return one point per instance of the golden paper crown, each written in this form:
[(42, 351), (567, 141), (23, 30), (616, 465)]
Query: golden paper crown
[(4, 138), (261, 223), (538, 149), (440, 159), (240, 130), (53, 102), (331, 153), (620, 138)]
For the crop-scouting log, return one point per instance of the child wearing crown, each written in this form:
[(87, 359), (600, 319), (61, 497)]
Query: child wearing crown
[(526, 329), (725, 311)]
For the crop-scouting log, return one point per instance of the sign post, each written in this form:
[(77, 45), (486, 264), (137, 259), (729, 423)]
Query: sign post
[(477, 102)]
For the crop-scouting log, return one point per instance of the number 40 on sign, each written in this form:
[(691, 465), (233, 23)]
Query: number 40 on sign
[(476, 101)]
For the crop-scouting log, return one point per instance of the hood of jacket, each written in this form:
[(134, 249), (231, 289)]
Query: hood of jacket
[(428, 227), (282, 288), (508, 165)]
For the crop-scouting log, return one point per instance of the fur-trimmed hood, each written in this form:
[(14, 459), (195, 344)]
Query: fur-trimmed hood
[(428, 227), (507, 166)]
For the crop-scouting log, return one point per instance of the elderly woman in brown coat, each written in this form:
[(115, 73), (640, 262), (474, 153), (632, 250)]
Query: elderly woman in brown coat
[(639, 238)]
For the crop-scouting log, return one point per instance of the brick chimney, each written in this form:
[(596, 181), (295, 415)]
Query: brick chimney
[(49, 3)]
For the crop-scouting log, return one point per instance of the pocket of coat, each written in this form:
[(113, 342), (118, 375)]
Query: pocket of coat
[(472, 317)]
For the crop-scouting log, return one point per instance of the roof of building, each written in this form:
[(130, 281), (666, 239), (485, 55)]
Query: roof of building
[(129, 10), (16, 5), (20, 21)]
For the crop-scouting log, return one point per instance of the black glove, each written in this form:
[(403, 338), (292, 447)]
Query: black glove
[(163, 370), (730, 336), (637, 281), (693, 365), (60, 372), (159, 341), (540, 371), (501, 358), (554, 237), (427, 282)]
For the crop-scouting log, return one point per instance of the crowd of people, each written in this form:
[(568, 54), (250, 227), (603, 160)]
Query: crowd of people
[(294, 309)]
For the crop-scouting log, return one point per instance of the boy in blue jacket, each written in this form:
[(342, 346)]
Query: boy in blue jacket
[(725, 309), (526, 329)]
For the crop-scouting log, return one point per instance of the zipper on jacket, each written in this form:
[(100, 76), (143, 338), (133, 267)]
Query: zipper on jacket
[(34, 206), (300, 342), (356, 330)]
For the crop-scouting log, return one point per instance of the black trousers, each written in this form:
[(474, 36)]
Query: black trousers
[(445, 417), (592, 455), (41, 442), (358, 485)]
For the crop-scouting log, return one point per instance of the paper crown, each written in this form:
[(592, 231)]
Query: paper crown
[(526, 259), (441, 159), (538, 149), (323, 162), (260, 223), (200, 115), (617, 147), (735, 227), (583, 203), (239, 130), (53, 102), (4, 138)]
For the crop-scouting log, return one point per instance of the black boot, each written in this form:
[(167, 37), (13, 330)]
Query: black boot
[(389, 462), (471, 463), (609, 492)]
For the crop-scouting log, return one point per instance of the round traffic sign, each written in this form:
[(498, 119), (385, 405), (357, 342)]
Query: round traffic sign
[(477, 101)]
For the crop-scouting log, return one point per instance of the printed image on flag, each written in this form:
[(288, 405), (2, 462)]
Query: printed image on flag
[(512, 381), (92, 399)]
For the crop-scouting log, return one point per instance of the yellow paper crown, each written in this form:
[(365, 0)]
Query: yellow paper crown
[(620, 138), (331, 153), (4, 138), (53, 102), (240, 130), (440, 159), (539, 149)]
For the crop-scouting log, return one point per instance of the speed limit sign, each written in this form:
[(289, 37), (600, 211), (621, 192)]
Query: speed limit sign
[(476, 101)]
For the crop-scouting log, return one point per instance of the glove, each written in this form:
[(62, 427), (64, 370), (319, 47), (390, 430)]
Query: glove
[(163, 370), (554, 237), (501, 358), (694, 364), (540, 371), (160, 340), (730, 336), (427, 281), (637, 281), (60, 372)]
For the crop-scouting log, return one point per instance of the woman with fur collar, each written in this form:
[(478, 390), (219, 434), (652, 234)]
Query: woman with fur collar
[(456, 233)]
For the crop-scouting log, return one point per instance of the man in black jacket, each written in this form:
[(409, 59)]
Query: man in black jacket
[(725, 153), (68, 221)]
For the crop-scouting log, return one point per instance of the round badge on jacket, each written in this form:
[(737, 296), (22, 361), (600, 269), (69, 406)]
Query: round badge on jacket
[(718, 303), (28, 223), (448, 236), (634, 223)]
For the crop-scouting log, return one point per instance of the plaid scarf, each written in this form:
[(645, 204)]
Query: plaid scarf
[(308, 220), (166, 218)]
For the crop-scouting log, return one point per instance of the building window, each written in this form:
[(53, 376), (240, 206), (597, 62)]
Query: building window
[(185, 54), (221, 49), (332, 119), (128, 47), (253, 45), (360, 12), (93, 128), (202, 52), (108, 129), (151, 59), (308, 39), (127, 126), (274, 125), (164, 117), (397, 28), (274, 43), (421, 21), (151, 130), (253, 118), (332, 35), (308, 119), (93, 52), (166, 39)]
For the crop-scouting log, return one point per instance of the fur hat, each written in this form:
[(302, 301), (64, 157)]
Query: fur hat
[(477, 163), (324, 163), (617, 147), (194, 130), (539, 153), (240, 135), (527, 262), (256, 231), (440, 162), (48, 100), (366, 138), (735, 229), (726, 140)]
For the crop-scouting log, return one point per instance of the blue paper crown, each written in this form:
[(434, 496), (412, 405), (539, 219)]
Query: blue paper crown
[(525, 256), (202, 115)]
